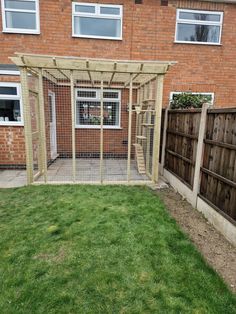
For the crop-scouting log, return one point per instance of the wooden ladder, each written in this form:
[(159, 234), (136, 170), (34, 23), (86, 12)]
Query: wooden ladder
[(140, 158)]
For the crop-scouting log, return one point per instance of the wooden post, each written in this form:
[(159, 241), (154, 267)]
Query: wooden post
[(42, 126), (148, 131), (137, 116), (72, 92), (130, 127), (164, 140), (27, 125), (199, 154), (101, 133), (144, 115), (157, 126), (38, 121), (140, 116)]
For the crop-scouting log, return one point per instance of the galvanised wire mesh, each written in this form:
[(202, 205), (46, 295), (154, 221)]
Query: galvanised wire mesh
[(34, 118)]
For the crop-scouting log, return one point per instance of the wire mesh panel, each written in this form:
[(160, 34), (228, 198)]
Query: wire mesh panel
[(87, 138), (115, 124), (58, 125), (145, 129), (100, 146), (151, 139), (34, 119)]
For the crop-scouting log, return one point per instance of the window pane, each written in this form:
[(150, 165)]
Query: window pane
[(97, 27), (111, 95), (198, 33), (20, 20), (111, 113), (5, 90), (23, 5), (110, 10), (85, 8), (88, 113), (10, 110), (86, 94), (199, 16)]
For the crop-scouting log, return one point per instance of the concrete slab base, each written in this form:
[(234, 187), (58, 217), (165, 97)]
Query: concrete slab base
[(12, 178)]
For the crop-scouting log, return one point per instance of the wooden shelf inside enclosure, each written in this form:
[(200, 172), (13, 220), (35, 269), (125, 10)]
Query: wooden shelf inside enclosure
[(148, 100), (148, 125), (141, 137)]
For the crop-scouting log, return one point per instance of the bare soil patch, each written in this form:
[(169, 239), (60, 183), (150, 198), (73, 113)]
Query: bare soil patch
[(218, 252)]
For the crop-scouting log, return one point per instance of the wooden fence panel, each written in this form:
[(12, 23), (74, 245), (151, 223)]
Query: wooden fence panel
[(218, 172), (181, 143)]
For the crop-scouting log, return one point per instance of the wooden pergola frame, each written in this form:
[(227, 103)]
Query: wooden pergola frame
[(100, 73)]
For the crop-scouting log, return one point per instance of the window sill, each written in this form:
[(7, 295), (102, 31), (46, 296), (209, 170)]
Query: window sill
[(197, 43), (11, 124), (24, 32), (97, 127), (9, 72), (97, 37)]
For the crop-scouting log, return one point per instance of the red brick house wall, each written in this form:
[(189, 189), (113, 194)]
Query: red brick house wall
[(148, 34), (12, 146), (87, 140), (12, 143)]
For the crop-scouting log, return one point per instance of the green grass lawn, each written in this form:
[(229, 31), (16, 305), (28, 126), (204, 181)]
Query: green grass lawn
[(94, 249)]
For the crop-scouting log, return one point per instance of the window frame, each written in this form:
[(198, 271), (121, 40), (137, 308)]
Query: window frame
[(196, 22), (10, 72), (6, 29), (194, 93), (13, 97), (97, 14), (98, 99)]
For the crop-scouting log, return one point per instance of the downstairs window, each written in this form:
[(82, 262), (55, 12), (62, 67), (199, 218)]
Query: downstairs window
[(10, 104), (185, 100), (88, 108)]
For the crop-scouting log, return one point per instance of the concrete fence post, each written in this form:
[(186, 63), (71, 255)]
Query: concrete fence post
[(199, 154)]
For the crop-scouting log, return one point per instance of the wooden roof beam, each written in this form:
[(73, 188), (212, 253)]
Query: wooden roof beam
[(135, 76), (59, 70), (50, 76), (33, 72), (89, 73), (95, 65), (113, 74), (147, 81)]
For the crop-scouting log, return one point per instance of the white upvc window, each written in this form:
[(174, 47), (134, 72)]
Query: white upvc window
[(210, 96), (198, 27), (20, 16), (90, 20), (88, 108), (10, 104)]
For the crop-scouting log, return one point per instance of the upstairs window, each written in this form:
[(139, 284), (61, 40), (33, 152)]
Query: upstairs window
[(198, 27), (88, 108), (20, 16), (10, 104), (97, 20)]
